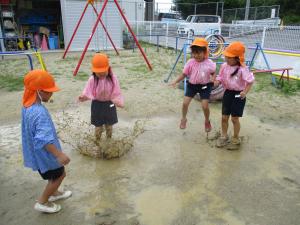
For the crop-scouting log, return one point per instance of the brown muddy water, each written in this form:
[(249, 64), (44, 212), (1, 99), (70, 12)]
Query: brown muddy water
[(167, 176)]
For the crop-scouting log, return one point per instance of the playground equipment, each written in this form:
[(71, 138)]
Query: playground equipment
[(91, 2), (28, 54), (216, 45), (282, 77)]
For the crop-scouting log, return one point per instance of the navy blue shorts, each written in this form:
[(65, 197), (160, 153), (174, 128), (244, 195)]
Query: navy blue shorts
[(203, 89), (52, 174), (103, 113), (232, 104)]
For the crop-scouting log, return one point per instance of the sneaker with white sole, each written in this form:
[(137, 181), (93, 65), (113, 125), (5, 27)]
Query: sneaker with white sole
[(47, 207), (234, 144), (63, 195), (222, 141)]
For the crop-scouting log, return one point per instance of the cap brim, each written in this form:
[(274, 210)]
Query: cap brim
[(225, 53), (100, 70), (53, 89), (199, 45)]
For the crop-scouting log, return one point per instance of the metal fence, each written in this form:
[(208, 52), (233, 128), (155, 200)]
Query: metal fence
[(282, 38), (152, 10), (149, 11), (255, 13)]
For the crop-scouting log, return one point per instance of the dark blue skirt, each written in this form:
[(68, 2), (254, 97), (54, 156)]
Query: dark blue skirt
[(103, 113)]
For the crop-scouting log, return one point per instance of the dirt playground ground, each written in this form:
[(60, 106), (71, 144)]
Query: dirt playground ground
[(169, 176)]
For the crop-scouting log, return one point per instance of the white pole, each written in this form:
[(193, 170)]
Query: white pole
[(150, 31), (247, 9), (167, 35), (263, 37)]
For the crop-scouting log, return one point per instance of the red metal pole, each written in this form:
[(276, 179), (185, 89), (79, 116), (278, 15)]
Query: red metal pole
[(77, 26), (104, 28), (133, 35), (90, 38)]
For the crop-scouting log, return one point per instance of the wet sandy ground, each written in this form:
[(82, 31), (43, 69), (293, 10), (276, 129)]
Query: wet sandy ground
[(169, 177)]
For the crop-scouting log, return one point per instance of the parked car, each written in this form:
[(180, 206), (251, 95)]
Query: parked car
[(173, 17), (200, 25)]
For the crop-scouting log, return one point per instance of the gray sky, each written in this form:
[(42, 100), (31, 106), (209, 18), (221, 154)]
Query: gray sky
[(164, 5)]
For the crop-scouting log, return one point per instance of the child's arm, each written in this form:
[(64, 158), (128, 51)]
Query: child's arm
[(117, 97), (213, 77), (247, 89), (87, 91), (213, 67), (179, 78), (219, 78), (186, 72), (61, 157), (249, 78), (82, 98)]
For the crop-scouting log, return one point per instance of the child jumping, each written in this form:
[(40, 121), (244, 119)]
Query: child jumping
[(201, 73), (41, 148), (104, 90), (237, 81)]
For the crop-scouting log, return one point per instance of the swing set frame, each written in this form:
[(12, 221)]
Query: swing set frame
[(91, 2)]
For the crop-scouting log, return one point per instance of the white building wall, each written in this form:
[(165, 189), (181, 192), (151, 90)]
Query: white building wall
[(134, 10), (71, 12)]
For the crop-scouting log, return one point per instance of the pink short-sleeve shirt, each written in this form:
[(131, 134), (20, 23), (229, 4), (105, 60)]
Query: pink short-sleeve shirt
[(237, 82), (199, 72)]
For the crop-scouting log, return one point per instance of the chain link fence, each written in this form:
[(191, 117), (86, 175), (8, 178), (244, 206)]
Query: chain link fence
[(282, 38), (255, 13), (149, 11), (275, 38)]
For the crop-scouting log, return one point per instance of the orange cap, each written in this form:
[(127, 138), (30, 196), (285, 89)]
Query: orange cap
[(201, 42), (34, 81), (236, 49), (100, 63)]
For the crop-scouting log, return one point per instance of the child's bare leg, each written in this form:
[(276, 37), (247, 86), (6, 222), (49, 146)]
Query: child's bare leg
[(225, 119), (205, 108), (185, 106), (51, 188), (236, 126), (108, 129), (98, 132)]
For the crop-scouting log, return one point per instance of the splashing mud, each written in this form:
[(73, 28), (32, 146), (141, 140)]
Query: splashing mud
[(80, 135)]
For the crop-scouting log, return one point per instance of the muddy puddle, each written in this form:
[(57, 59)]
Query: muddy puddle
[(79, 134), (166, 176)]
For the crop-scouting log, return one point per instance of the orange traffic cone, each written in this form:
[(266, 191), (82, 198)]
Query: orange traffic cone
[(44, 45)]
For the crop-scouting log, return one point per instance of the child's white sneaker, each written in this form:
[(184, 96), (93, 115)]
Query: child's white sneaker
[(47, 207), (63, 195)]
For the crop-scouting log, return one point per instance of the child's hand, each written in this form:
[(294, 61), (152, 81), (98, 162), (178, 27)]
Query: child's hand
[(173, 84), (63, 159), (242, 94), (213, 78), (118, 104), (82, 98), (216, 83)]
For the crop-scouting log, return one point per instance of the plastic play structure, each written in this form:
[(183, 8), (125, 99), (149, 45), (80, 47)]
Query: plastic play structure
[(91, 2)]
